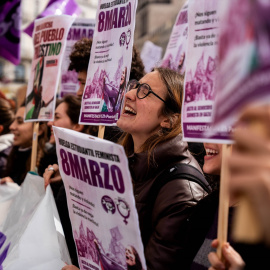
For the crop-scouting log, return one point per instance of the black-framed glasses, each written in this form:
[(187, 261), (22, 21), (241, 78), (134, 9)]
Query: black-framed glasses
[(143, 89)]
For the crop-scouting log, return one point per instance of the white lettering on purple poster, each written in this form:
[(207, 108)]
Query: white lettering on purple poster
[(110, 62), (244, 57), (81, 28), (100, 200), (201, 70), (175, 54), (49, 38)]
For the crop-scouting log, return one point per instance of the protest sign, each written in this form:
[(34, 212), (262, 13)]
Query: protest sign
[(56, 7), (81, 28), (100, 200), (200, 78), (150, 55), (175, 54), (10, 32), (110, 62), (49, 40), (244, 54)]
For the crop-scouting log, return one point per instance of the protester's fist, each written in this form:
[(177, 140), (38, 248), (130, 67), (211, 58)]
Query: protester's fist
[(233, 261), (51, 175), (6, 180)]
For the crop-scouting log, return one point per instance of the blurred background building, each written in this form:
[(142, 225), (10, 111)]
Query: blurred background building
[(154, 22)]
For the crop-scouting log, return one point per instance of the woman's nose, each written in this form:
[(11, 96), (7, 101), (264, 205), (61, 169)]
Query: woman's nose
[(131, 94), (12, 126)]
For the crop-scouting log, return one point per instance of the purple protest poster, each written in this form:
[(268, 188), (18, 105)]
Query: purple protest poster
[(244, 56), (56, 7), (201, 69), (110, 62), (100, 201), (175, 54), (10, 32), (49, 38), (81, 27)]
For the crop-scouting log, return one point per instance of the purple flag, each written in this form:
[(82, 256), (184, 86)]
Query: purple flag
[(10, 11), (56, 7)]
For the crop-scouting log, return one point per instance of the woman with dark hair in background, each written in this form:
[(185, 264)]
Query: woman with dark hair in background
[(66, 115), (19, 159), (6, 138)]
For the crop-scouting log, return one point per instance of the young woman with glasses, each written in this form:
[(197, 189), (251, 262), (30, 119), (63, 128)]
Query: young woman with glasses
[(151, 121)]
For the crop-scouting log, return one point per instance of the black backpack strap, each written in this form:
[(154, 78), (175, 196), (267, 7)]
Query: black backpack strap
[(177, 171)]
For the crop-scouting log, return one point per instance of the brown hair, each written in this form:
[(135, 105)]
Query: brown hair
[(73, 112), (173, 81), (7, 115), (137, 66), (80, 55)]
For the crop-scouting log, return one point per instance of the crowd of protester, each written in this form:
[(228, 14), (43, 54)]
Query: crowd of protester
[(177, 217)]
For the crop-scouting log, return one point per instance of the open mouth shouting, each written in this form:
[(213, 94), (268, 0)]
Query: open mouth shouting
[(129, 111)]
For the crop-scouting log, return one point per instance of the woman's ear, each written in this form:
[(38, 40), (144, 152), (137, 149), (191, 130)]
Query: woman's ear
[(1, 128), (168, 122), (78, 127)]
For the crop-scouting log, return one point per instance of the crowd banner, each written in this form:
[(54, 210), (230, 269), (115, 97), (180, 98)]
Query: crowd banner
[(100, 200), (175, 55), (56, 7), (244, 58), (150, 55), (32, 234), (49, 40), (10, 30), (201, 69), (81, 28), (110, 62)]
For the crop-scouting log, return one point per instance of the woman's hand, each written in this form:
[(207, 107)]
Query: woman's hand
[(51, 175), (6, 180), (70, 267), (233, 261), (250, 162)]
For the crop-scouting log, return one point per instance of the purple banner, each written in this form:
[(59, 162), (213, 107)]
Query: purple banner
[(244, 55), (10, 12), (110, 62), (56, 7)]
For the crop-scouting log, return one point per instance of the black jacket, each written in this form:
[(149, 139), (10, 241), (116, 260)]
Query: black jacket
[(163, 227)]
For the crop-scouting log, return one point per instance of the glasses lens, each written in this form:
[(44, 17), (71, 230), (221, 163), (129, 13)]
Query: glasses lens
[(143, 90), (132, 85)]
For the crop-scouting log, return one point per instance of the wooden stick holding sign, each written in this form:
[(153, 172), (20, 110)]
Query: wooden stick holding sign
[(101, 130), (34, 147), (223, 210)]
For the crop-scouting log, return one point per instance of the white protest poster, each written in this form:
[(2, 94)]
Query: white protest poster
[(175, 55), (244, 58), (150, 55), (81, 28), (49, 38), (110, 62), (100, 200), (201, 69)]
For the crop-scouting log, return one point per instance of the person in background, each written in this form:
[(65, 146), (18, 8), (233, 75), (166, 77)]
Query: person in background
[(19, 159), (66, 116), (6, 138), (79, 60), (250, 175)]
